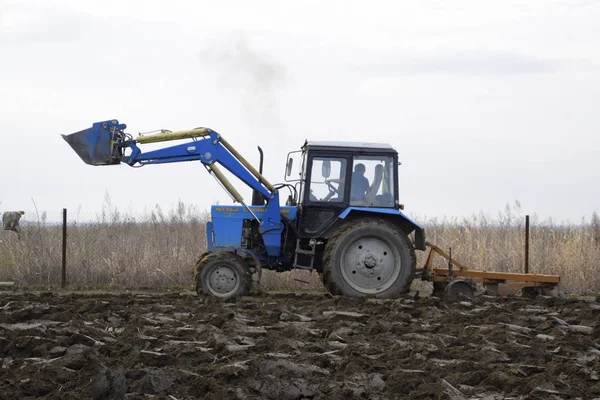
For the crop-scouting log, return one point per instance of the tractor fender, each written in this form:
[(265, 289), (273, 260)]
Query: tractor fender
[(397, 217), (257, 264)]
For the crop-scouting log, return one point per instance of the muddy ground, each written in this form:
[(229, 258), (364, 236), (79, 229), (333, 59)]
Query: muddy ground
[(179, 346)]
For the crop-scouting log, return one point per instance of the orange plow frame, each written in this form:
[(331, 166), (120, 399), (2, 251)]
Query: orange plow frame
[(490, 279)]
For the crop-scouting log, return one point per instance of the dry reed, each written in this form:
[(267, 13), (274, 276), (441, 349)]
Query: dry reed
[(158, 250)]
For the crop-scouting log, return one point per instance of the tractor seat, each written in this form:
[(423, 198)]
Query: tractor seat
[(372, 192)]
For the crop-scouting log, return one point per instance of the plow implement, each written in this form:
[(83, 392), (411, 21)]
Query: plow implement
[(457, 279)]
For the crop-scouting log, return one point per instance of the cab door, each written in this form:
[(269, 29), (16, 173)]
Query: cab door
[(326, 193)]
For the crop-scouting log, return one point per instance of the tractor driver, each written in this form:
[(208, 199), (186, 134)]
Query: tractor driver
[(360, 184)]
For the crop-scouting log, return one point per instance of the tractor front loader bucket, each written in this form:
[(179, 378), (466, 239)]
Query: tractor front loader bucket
[(98, 145)]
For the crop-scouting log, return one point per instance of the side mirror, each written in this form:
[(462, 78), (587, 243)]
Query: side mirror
[(288, 169), (326, 169)]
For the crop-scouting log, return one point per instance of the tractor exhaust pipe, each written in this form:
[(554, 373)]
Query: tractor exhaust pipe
[(257, 198)]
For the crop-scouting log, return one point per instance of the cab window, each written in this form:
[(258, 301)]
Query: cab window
[(372, 181), (327, 180)]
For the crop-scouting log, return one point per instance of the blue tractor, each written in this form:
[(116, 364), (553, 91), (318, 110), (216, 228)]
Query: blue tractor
[(342, 217)]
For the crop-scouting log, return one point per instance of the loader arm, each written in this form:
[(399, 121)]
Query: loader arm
[(105, 144)]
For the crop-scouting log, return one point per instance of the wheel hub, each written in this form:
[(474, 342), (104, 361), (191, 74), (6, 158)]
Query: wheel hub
[(223, 280), (370, 265), (370, 261)]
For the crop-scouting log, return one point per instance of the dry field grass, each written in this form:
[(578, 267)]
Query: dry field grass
[(159, 249)]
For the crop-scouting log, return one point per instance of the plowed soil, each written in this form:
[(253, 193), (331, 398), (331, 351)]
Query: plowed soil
[(180, 346)]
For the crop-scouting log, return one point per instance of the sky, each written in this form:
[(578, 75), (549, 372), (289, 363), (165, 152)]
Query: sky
[(487, 102)]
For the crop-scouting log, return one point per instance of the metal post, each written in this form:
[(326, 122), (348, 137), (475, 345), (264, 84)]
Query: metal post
[(450, 265), (527, 244), (63, 280)]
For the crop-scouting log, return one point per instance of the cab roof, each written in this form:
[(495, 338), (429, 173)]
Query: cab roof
[(350, 146)]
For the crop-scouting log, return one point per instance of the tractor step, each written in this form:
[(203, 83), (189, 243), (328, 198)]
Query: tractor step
[(307, 252), (296, 266), (300, 251)]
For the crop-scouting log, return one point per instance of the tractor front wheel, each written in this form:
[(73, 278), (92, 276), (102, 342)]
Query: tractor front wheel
[(368, 257), (222, 274)]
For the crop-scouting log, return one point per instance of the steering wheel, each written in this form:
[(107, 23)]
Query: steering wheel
[(332, 188)]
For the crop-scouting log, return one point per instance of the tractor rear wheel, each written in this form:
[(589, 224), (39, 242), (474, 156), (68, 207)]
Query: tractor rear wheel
[(368, 257), (222, 274)]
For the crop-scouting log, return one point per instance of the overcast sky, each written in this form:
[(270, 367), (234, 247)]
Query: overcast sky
[(487, 102)]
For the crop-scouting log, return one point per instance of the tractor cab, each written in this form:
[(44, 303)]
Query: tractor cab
[(337, 176)]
